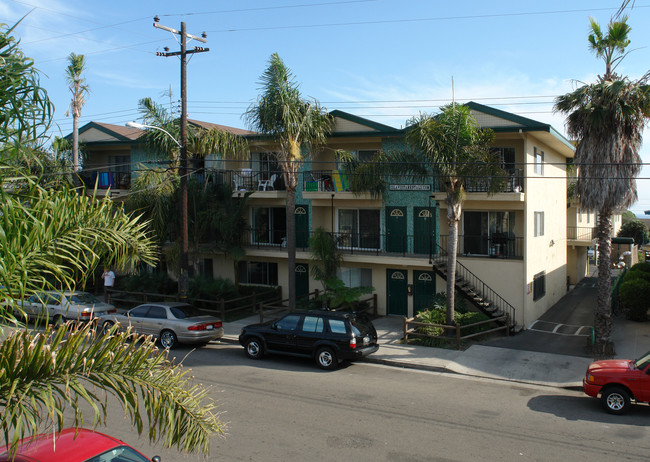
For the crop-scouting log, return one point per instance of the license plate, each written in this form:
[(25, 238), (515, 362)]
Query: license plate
[(209, 327)]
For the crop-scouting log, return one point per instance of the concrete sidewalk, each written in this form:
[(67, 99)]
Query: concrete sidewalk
[(495, 362)]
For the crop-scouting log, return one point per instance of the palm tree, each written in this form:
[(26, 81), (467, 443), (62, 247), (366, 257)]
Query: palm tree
[(297, 125), (607, 119), (53, 239), (79, 88), (155, 189), (452, 148), (47, 373)]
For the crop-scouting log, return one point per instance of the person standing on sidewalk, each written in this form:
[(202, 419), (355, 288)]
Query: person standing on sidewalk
[(109, 280)]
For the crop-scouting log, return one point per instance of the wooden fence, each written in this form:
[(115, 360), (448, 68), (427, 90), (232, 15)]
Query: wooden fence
[(222, 307), (411, 326)]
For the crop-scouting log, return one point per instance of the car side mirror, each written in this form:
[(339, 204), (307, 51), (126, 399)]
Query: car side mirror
[(274, 326)]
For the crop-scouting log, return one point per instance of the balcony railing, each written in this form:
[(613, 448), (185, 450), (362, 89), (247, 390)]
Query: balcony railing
[(247, 179), (579, 233), (513, 181), (421, 246)]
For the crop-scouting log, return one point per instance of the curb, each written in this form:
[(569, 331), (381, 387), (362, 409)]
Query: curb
[(233, 340)]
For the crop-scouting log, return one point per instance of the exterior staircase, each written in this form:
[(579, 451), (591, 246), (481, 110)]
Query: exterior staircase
[(477, 292)]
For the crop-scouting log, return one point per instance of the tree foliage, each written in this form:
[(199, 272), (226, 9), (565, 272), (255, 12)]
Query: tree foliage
[(298, 126), (54, 239), (43, 374), (458, 149), (637, 230), (25, 109), (607, 119)]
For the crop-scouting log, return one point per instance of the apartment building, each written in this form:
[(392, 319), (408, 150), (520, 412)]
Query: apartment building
[(515, 253)]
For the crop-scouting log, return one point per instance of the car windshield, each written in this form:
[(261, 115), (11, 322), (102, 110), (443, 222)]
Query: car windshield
[(119, 454), (84, 297), (184, 311), (643, 361)]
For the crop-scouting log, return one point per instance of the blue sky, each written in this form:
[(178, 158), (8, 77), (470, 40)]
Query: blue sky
[(385, 60)]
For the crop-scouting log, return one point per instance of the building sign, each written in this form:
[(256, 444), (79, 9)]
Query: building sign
[(409, 187)]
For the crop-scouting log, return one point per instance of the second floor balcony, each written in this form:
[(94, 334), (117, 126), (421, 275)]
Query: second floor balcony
[(332, 180), (585, 234), (385, 244)]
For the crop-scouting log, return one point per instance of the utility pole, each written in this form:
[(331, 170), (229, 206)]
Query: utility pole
[(183, 275)]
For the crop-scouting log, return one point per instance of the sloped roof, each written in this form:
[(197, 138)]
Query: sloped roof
[(502, 122), (225, 128), (103, 132), (346, 122), (100, 132)]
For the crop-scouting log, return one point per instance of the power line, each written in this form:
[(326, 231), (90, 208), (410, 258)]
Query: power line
[(281, 7), (413, 20)]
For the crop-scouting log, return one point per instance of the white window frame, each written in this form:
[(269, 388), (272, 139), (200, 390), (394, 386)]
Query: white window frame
[(539, 224), (539, 161)]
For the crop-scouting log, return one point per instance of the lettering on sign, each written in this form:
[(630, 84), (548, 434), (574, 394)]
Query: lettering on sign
[(409, 187)]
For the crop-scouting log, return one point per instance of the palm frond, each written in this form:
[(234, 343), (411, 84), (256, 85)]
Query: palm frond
[(44, 374), (54, 239)]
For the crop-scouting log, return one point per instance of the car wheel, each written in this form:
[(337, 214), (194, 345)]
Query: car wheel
[(326, 359), (254, 348), (58, 321), (616, 400), (168, 339), (107, 325)]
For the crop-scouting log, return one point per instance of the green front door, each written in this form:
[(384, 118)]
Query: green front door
[(302, 280), (424, 289), (396, 229), (302, 227), (397, 296), (424, 227)]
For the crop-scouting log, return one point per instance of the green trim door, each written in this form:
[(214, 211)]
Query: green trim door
[(302, 280), (302, 226), (396, 229), (397, 292), (424, 289), (424, 227)]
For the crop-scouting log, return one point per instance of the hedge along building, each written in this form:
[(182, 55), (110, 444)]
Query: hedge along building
[(512, 244)]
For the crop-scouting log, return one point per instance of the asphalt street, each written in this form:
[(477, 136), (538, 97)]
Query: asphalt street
[(286, 409)]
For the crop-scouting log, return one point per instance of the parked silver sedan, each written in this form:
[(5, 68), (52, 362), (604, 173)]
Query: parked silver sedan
[(170, 322), (59, 307)]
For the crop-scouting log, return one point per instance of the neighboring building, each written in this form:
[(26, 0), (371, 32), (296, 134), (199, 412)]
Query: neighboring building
[(517, 248)]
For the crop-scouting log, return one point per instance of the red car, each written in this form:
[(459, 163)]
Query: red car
[(618, 382), (84, 446)]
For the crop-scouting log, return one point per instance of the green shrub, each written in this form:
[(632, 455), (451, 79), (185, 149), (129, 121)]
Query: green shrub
[(439, 301), (212, 289), (643, 266), (633, 296), (144, 281), (639, 274), (439, 316)]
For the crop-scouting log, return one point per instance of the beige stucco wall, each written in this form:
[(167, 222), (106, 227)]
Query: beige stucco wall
[(544, 193)]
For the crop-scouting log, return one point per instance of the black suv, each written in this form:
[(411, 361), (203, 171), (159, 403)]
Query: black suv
[(327, 336)]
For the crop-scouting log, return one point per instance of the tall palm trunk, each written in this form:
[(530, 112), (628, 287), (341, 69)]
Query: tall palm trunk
[(454, 210), (604, 347), (75, 142), (291, 246)]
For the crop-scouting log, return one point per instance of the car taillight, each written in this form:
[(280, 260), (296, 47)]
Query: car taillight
[(210, 325), (113, 311), (85, 314), (353, 342)]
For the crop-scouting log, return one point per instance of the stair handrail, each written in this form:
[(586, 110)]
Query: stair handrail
[(487, 292)]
